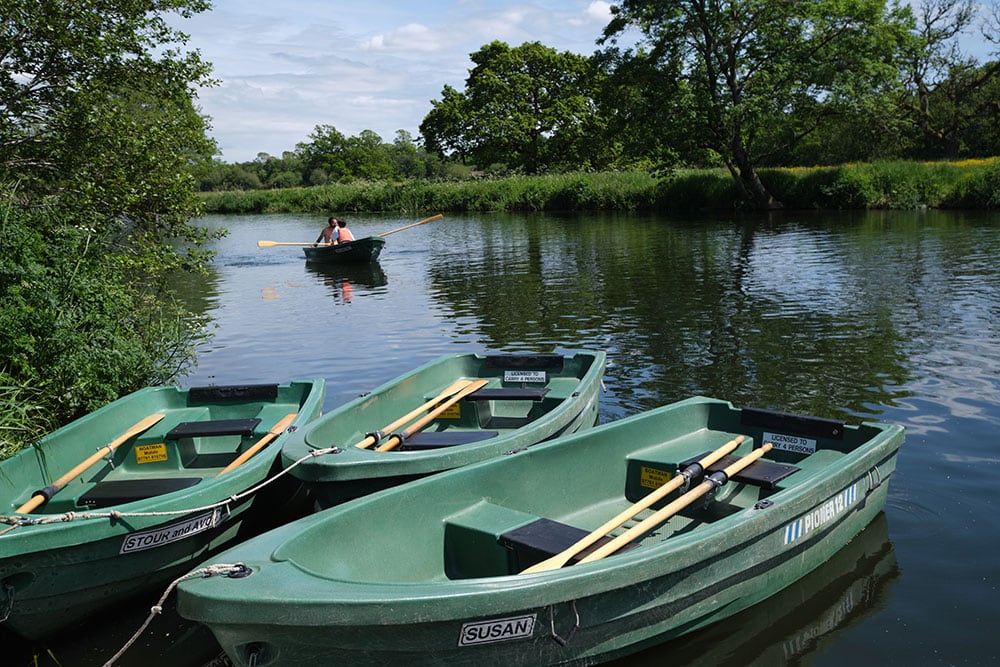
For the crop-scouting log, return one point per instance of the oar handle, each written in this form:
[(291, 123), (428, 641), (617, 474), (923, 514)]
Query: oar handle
[(375, 438), (42, 496), (676, 506), (659, 494), (395, 440), (275, 431)]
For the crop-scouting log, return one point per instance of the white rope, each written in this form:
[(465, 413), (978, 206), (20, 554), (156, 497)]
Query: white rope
[(207, 571), (18, 520)]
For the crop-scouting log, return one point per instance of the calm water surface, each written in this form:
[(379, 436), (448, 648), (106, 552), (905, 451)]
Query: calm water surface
[(886, 316)]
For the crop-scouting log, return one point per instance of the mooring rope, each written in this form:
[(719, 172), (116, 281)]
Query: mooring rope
[(17, 520), (218, 569)]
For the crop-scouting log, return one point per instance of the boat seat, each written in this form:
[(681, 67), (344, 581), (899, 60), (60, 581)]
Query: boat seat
[(544, 538), (199, 429), (437, 439), (508, 394), (219, 393), (765, 474), (108, 494), (525, 361)]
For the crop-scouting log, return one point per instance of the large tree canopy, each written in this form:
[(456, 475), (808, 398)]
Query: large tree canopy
[(752, 76), (529, 107), (98, 128), (96, 108)]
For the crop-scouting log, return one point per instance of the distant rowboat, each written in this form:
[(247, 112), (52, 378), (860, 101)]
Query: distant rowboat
[(365, 249)]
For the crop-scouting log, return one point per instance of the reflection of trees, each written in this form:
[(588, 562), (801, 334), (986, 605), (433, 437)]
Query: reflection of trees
[(813, 317)]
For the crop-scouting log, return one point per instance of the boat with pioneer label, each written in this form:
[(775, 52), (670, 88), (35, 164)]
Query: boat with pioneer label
[(451, 412), (584, 549), (129, 496)]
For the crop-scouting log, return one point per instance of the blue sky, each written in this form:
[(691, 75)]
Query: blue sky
[(287, 66)]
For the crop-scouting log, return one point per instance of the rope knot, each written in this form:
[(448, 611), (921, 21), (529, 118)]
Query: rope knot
[(69, 516)]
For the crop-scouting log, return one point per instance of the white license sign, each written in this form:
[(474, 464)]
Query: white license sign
[(791, 443), (524, 376), (497, 630), (150, 539)]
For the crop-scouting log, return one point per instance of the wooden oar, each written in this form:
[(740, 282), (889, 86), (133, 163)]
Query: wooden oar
[(422, 222), (395, 439), (676, 506), (374, 438), (659, 494), (271, 244), (275, 431), (42, 497)]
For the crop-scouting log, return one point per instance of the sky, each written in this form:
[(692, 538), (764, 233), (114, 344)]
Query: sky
[(286, 67)]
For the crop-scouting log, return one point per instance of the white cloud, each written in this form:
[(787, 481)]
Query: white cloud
[(286, 68)]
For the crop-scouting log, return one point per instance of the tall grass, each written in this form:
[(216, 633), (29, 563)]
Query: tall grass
[(878, 185)]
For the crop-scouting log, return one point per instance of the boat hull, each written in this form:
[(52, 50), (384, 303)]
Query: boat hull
[(132, 524), (570, 385), (423, 572), (365, 249)]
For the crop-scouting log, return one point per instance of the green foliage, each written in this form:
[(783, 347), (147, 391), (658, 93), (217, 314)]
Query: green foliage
[(890, 185), (529, 107), (79, 330), (100, 132), (750, 78)]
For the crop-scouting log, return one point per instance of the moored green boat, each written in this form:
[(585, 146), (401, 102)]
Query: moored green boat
[(472, 407), (433, 572), (365, 249), (164, 477)]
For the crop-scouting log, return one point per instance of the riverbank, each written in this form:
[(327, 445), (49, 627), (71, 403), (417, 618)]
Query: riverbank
[(973, 184)]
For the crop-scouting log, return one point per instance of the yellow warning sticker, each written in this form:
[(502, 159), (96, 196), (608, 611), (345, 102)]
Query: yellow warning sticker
[(151, 453), (653, 478), (454, 411)]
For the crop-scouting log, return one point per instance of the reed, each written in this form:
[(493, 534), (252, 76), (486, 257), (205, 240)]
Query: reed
[(877, 185)]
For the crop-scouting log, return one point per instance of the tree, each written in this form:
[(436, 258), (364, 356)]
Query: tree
[(99, 137), (943, 87), (96, 107), (529, 107), (748, 78)]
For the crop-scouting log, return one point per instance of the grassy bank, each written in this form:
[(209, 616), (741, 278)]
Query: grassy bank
[(882, 185)]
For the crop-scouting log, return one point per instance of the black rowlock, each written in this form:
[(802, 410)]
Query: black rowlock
[(765, 474)]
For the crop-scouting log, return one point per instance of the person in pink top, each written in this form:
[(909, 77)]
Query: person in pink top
[(343, 233)]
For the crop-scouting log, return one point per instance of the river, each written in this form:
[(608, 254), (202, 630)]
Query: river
[(889, 316)]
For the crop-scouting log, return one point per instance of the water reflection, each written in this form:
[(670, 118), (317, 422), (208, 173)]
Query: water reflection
[(341, 280), (798, 621)]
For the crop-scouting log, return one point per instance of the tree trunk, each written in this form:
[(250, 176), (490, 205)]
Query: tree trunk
[(748, 182)]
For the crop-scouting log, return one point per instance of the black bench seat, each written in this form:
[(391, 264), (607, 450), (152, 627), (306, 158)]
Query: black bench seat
[(544, 538), (437, 439), (108, 494), (199, 429), (508, 394)]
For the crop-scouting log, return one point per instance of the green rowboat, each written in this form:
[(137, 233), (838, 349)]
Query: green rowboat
[(433, 572), (162, 477), (366, 249), (451, 412)]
